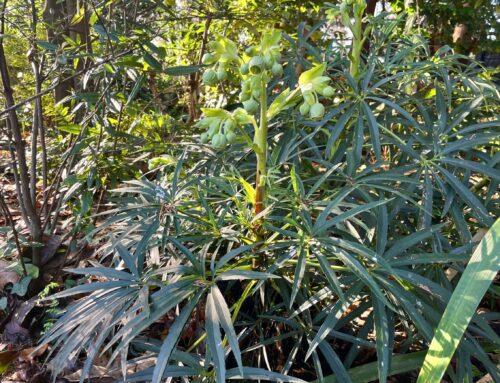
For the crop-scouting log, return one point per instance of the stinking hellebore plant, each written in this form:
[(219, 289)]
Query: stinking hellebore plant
[(256, 68)]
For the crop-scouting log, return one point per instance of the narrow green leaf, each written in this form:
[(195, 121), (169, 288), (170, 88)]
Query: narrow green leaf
[(255, 374), (404, 243), (474, 166), (214, 339), (173, 336), (467, 196), (374, 131), (383, 337), (299, 274), (183, 70), (227, 324)]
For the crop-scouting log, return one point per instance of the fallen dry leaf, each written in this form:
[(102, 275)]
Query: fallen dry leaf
[(31, 353), (7, 276)]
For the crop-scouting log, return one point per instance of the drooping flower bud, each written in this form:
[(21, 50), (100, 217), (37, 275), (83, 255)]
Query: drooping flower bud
[(268, 61), (219, 140), (210, 77), (221, 74), (231, 137), (309, 98), (208, 59), (204, 138), (304, 108), (328, 91), (229, 125), (251, 106), (256, 92), (244, 69), (214, 45), (244, 95), (256, 65), (277, 69), (317, 111)]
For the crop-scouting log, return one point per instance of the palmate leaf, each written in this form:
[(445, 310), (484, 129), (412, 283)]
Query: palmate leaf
[(474, 282)]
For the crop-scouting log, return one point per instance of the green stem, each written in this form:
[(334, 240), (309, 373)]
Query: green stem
[(261, 142), (357, 45)]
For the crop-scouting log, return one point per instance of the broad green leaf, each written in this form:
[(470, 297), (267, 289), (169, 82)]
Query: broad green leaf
[(474, 282), (306, 78), (368, 372)]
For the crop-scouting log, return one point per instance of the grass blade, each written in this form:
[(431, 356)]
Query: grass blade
[(477, 277)]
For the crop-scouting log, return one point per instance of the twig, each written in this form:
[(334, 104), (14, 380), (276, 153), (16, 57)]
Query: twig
[(10, 108), (8, 217)]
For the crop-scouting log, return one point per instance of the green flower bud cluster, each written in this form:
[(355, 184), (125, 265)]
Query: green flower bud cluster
[(260, 64), (251, 90), (222, 125), (222, 57), (312, 83)]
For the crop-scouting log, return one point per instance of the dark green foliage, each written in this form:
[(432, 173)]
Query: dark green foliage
[(366, 210)]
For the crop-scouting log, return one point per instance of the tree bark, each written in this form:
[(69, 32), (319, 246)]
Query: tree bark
[(14, 126), (57, 16)]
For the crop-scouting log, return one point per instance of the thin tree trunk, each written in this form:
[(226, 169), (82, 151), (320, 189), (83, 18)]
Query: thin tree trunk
[(369, 11), (54, 15), (25, 196), (194, 79)]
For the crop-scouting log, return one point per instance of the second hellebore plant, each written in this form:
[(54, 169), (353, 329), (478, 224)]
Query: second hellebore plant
[(256, 68)]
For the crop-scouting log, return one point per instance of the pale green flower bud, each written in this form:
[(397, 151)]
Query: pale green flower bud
[(208, 59), (277, 69), (219, 141), (256, 93), (328, 91), (268, 61), (304, 108), (244, 69), (256, 64), (210, 77), (317, 111), (204, 138), (231, 137), (251, 106), (214, 128), (221, 74), (245, 96), (229, 125), (309, 98)]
